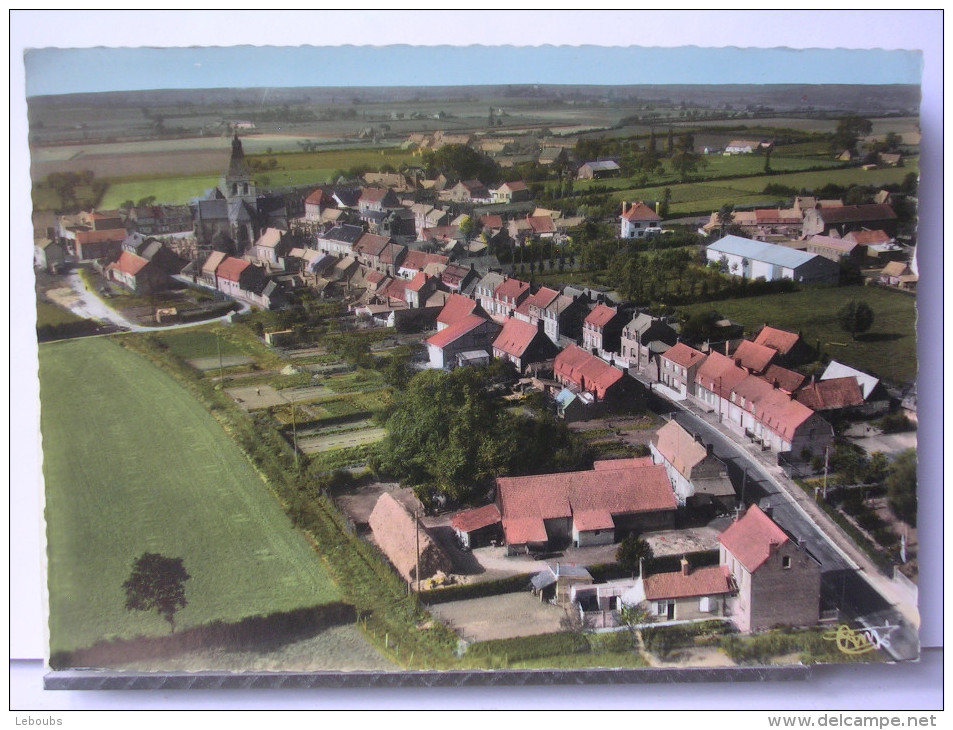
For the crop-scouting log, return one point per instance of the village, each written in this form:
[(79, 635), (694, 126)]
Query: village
[(711, 501)]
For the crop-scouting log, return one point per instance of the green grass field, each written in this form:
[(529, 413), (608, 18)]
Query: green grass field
[(889, 350), (133, 464), (171, 190)]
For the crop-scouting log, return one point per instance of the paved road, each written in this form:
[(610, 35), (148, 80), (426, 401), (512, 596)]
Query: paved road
[(89, 305), (850, 580)]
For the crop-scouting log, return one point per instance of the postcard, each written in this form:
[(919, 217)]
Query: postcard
[(352, 375)]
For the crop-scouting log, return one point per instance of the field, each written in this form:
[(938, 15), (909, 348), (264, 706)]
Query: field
[(889, 350), (133, 464)]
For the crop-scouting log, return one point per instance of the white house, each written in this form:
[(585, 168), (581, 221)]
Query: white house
[(638, 220)]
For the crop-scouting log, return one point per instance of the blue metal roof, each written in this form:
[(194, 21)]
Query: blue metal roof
[(770, 253)]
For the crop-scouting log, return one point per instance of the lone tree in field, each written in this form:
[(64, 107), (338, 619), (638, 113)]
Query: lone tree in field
[(855, 317), (157, 583)]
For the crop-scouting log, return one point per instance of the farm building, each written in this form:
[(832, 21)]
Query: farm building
[(848, 218), (875, 395), (593, 507), (598, 169), (478, 527), (406, 544), (756, 259)]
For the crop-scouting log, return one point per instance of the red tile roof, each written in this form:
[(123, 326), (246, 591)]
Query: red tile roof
[(709, 581), (374, 277), (541, 224), (510, 290), (418, 282), (753, 356), (682, 354), (593, 520), (622, 463), (111, 235), (231, 268), (865, 238), (831, 394), (586, 371), (456, 308), (527, 501), (373, 195), (370, 244), (857, 213), (456, 330), (491, 221), (515, 185), (787, 380), (317, 197), (640, 212), (779, 340), (719, 374), (543, 298), (515, 337), (601, 315), (753, 538), (129, 263), (474, 519), (780, 413)]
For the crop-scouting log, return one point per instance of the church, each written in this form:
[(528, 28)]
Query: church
[(232, 216)]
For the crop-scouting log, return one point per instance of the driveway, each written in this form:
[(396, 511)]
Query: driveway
[(89, 305)]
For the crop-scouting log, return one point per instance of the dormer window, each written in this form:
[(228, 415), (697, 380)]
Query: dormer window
[(786, 562)]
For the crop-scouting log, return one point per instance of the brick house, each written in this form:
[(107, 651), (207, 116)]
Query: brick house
[(777, 581), (602, 329), (678, 366), (523, 344)]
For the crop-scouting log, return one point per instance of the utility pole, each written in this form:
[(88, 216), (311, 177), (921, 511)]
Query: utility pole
[(826, 453), (294, 432), (417, 549), (221, 369)]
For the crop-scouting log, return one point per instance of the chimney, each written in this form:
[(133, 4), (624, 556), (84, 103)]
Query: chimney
[(710, 449), (686, 569), (726, 348)]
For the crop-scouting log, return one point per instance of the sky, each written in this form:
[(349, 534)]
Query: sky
[(68, 70)]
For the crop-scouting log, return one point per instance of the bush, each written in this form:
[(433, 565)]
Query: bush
[(466, 591), (896, 423)]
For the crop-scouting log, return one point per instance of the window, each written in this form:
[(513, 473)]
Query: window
[(786, 562), (661, 608), (704, 604)]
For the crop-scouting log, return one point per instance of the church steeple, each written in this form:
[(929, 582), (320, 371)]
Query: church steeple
[(237, 166), (237, 182)]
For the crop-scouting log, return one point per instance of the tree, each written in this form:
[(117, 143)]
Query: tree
[(855, 317), (849, 130), (631, 552), (685, 160), (726, 215), (666, 202), (157, 583), (902, 486)]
